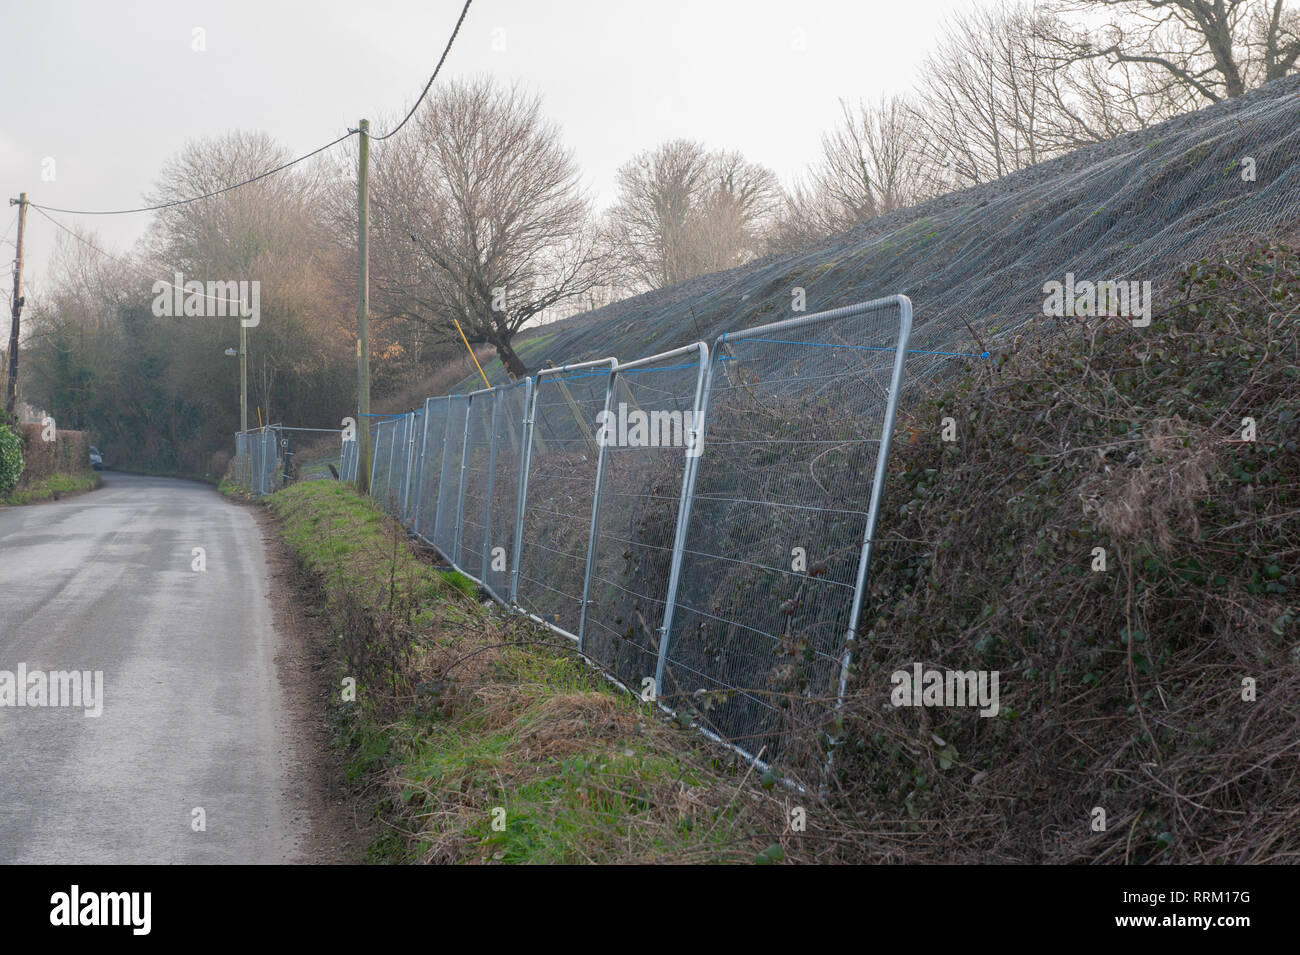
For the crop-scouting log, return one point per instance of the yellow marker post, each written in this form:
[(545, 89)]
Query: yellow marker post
[(486, 384)]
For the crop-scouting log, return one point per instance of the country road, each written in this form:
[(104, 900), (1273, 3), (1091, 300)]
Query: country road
[(192, 709)]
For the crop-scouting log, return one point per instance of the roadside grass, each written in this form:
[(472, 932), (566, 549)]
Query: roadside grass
[(481, 738), (52, 488)]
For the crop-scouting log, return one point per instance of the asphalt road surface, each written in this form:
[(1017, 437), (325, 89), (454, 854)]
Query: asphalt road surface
[(192, 715)]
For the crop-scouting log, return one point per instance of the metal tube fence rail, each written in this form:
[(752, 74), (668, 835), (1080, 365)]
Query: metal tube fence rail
[(258, 459), (699, 521)]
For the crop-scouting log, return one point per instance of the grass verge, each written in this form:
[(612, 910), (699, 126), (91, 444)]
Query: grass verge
[(51, 488), (481, 738)]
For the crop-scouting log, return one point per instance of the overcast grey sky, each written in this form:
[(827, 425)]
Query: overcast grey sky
[(111, 90)]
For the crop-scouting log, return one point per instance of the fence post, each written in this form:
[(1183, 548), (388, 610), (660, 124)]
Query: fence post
[(595, 509), (703, 386), (491, 482), (877, 489), (419, 465), (525, 459), (460, 495), (442, 473), (379, 430), (389, 505)]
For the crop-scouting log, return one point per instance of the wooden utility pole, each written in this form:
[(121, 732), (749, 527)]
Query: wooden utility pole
[(11, 384), (363, 311), (243, 376)]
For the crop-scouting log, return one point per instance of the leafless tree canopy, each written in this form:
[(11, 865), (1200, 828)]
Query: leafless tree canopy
[(1197, 50), (874, 162), (477, 216), (684, 211)]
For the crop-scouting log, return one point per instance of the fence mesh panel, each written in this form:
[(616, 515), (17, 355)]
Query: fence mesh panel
[(476, 511), (774, 536), (445, 533), (348, 455), (381, 451), (257, 460), (396, 465), (561, 485), (508, 440), (646, 436), (411, 471), (401, 468), (430, 466)]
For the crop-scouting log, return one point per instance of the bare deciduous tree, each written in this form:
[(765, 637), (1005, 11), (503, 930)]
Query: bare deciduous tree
[(1202, 50), (1008, 88), (873, 163), (684, 211), (478, 216)]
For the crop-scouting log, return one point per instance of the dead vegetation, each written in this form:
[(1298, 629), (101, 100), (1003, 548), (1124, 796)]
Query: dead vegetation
[(1122, 689)]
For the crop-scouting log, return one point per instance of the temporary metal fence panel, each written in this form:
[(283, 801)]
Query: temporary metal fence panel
[(446, 529), (241, 459), (703, 517), (380, 452), (348, 454), (396, 465), (649, 439), (782, 508), (563, 465), (430, 466), (410, 468), (508, 438), (257, 464), (388, 473), (476, 490)]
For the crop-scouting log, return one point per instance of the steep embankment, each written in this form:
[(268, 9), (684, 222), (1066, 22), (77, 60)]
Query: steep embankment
[(1116, 531), (1130, 208)]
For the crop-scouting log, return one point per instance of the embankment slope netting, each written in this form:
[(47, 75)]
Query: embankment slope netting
[(977, 259)]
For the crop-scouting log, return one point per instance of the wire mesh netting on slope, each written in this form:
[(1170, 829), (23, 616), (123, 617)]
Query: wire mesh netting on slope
[(977, 259)]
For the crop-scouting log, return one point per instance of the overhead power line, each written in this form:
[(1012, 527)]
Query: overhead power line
[(206, 195), (138, 269), (425, 92), (282, 166)]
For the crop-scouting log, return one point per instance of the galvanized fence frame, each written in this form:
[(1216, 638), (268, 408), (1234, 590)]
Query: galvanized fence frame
[(786, 328), (628, 634), (257, 459), (489, 450), (556, 378)]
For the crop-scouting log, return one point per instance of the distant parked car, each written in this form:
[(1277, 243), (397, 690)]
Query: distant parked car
[(96, 459)]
